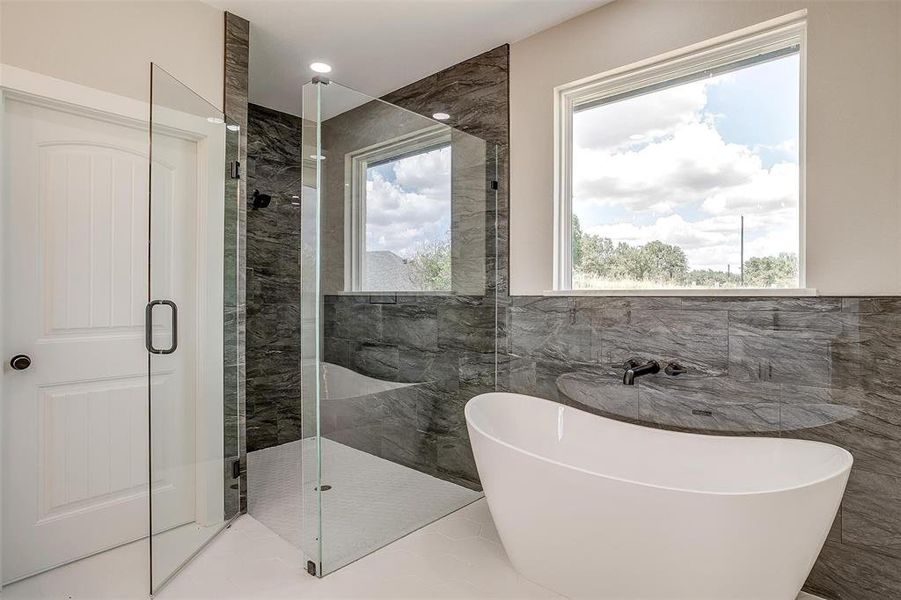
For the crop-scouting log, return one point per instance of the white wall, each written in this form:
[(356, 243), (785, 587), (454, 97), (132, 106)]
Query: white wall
[(109, 45), (853, 125)]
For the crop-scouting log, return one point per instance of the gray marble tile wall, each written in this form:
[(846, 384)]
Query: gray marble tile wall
[(236, 57), (274, 160), (825, 369), (444, 344)]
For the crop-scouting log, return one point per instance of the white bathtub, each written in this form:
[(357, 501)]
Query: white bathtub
[(595, 508)]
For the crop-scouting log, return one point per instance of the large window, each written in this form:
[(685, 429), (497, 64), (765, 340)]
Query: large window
[(401, 215), (685, 174)]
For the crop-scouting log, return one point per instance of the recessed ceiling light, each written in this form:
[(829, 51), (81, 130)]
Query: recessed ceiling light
[(233, 127), (215, 120), (441, 116), (317, 157), (636, 136), (321, 67)]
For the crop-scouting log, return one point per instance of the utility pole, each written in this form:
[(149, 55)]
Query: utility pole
[(742, 271)]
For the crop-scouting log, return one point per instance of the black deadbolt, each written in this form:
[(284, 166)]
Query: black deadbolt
[(20, 362)]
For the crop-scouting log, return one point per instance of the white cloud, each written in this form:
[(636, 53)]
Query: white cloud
[(639, 119), (428, 173), (687, 185), (762, 192), (413, 208)]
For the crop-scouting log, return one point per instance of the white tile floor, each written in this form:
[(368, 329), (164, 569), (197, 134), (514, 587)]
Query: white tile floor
[(459, 556), (372, 501), (122, 572), (456, 557)]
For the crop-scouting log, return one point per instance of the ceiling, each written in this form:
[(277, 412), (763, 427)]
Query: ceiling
[(377, 46)]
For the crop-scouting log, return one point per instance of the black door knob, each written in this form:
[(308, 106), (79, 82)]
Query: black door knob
[(20, 362)]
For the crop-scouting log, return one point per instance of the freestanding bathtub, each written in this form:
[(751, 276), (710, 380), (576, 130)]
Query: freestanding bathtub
[(595, 508)]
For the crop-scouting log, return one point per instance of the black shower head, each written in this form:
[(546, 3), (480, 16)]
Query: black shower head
[(260, 200)]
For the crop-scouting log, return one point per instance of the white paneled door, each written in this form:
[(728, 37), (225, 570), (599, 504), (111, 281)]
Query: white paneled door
[(75, 283)]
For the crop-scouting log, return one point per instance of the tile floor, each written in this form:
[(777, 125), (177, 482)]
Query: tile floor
[(371, 502), (458, 556)]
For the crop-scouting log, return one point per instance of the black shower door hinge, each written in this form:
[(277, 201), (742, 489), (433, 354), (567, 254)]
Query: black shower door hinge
[(494, 185), (236, 469), (235, 169)]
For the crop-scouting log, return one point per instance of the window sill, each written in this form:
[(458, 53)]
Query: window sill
[(745, 292)]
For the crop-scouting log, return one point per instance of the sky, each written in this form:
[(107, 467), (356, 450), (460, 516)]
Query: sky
[(681, 165), (408, 202)]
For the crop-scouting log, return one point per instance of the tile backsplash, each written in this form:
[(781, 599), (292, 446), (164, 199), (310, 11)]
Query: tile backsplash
[(817, 368)]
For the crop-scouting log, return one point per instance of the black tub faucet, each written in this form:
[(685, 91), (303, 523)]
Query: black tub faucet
[(633, 370)]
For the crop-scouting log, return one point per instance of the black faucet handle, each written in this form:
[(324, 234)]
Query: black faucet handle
[(631, 363), (672, 369)]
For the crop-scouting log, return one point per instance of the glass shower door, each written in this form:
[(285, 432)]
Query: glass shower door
[(193, 413), (399, 310)]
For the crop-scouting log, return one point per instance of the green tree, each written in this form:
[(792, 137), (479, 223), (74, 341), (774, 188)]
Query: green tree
[(710, 278), (663, 262), (772, 271), (430, 266), (660, 263), (654, 261), (596, 256)]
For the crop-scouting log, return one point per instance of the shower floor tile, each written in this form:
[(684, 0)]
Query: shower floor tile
[(371, 502)]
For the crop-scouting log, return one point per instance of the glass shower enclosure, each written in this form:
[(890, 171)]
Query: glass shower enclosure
[(119, 425), (190, 324), (399, 314)]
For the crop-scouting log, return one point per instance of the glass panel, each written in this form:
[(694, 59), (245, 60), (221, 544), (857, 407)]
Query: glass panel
[(193, 495), (399, 308)]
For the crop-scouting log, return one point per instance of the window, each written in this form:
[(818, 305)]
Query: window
[(685, 174), (400, 215)]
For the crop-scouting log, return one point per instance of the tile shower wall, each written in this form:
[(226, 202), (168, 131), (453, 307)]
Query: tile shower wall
[(273, 279), (236, 55), (443, 344), (826, 369)]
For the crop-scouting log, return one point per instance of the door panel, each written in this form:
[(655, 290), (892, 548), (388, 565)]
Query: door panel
[(75, 267), (97, 434)]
